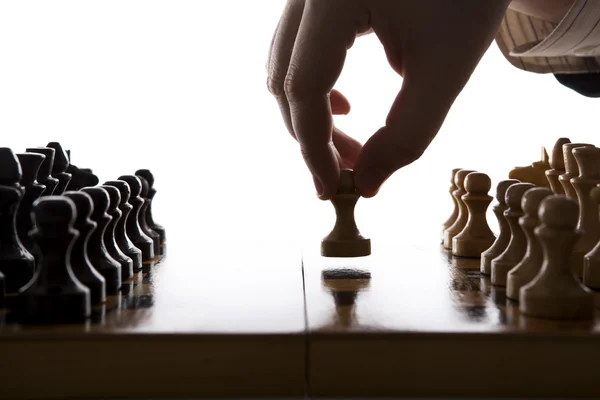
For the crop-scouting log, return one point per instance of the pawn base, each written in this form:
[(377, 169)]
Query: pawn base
[(346, 248), (54, 308), (565, 308), (470, 247)]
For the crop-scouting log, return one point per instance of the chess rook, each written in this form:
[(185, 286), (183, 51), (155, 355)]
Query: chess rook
[(98, 255), (123, 241), (16, 263), (571, 168), (54, 295), (44, 174), (477, 236), (463, 213), (142, 217), (515, 250), (454, 214), (504, 235), (80, 263), (110, 234), (556, 292), (134, 230), (146, 174), (531, 263), (345, 240), (557, 165), (30, 165)]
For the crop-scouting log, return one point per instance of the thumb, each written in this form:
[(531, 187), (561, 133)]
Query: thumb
[(414, 119)]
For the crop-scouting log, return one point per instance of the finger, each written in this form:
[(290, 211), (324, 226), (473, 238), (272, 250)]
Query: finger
[(280, 54), (414, 120), (326, 31), (348, 148), (339, 103)]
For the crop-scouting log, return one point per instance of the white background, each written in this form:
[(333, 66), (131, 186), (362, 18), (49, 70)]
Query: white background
[(180, 87)]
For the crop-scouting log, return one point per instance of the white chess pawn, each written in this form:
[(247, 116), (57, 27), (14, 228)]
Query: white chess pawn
[(504, 235), (531, 263), (454, 214), (557, 163), (515, 250), (555, 292), (591, 261), (571, 168), (588, 162), (463, 213), (477, 236)]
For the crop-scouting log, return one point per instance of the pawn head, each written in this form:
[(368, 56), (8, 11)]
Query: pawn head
[(114, 197), (147, 175), (503, 187), (145, 187), (514, 194), (83, 204), (559, 211), (54, 213), (134, 184), (123, 188), (532, 199), (100, 200), (478, 183), (459, 179)]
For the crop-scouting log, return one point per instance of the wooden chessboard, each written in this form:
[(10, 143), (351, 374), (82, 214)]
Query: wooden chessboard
[(240, 318)]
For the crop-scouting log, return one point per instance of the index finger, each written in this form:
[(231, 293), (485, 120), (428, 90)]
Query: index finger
[(326, 31)]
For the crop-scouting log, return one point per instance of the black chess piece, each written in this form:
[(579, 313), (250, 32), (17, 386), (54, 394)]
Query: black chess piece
[(16, 263), (44, 174), (80, 263), (123, 241), (134, 231), (54, 295), (59, 168), (146, 174), (30, 165), (110, 239), (2, 291), (142, 218), (107, 266), (81, 178)]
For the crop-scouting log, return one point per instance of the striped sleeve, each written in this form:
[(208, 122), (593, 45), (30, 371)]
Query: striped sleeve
[(570, 47)]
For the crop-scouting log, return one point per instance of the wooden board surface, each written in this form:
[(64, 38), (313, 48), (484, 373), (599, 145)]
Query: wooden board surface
[(213, 319), (427, 324)]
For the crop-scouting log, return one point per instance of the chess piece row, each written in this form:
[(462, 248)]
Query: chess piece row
[(518, 257), (83, 244)]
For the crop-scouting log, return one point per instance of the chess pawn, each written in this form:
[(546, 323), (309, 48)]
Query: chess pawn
[(557, 165), (463, 213), (345, 240), (555, 292), (30, 165), (134, 230), (59, 168), (591, 261), (454, 214), (54, 295), (588, 162), (571, 168), (477, 236), (145, 173), (110, 234), (142, 218), (123, 241), (504, 235), (16, 263), (98, 255), (44, 174), (531, 263), (515, 250), (81, 266)]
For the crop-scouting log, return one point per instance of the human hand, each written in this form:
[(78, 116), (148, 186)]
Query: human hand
[(433, 44)]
